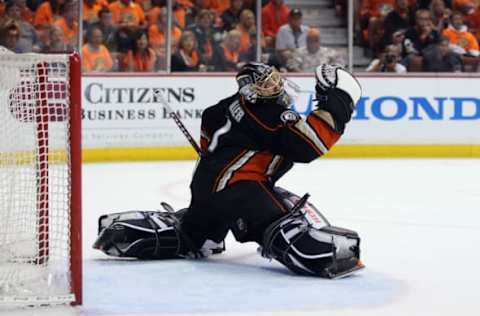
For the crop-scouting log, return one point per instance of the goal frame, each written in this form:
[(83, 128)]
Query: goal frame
[(76, 177), (44, 113)]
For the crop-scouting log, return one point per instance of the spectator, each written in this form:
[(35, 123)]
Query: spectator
[(90, 12), (156, 32), (397, 39), (401, 17), (372, 13), (387, 61), (25, 12), (231, 16), (227, 54), (191, 17), (95, 56), (245, 27), (127, 13), (69, 25), (156, 35), (251, 53), (461, 41), (308, 58), (48, 12), (56, 40), (274, 15), (10, 35), (421, 35), (187, 57), (207, 36), (440, 58), (180, 8), (123, 41), (440, 14), (108, 28), (28, 41), (268, 55), (141, 58), (292, 35)]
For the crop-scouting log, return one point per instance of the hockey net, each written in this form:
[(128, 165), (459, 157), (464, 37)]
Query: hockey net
[(40, 223)]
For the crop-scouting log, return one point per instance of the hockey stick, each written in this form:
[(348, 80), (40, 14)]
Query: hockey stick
[(300, 203), (177, 121)]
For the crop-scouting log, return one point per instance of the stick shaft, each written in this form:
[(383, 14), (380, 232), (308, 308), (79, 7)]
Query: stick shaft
[(179, 123)]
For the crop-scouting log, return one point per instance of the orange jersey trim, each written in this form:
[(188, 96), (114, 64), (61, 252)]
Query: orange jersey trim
[(228, 166), (254, 169), (323, 130)]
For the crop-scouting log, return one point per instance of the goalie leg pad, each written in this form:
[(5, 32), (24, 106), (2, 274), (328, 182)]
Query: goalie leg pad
[(148, 235), (139, 234), (328, 252)]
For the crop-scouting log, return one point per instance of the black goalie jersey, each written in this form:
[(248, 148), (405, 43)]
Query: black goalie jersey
[(256, 142), (246, 148)]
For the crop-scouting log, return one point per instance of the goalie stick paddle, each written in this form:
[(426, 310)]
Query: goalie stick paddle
[(177, 121)]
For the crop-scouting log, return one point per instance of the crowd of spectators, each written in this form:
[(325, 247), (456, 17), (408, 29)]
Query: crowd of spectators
[(131, 35), (36, 26), (423, 35)]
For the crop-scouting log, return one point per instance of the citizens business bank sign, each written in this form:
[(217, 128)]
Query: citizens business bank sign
[(123, 111)]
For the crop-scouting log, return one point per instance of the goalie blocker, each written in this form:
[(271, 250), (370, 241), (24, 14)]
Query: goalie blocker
[(303, 240)]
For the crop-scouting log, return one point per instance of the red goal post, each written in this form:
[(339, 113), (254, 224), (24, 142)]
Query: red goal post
[(40, 179)]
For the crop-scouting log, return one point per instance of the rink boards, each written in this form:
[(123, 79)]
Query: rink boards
[(396, 116)]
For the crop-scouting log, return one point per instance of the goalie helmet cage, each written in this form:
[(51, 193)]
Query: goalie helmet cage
[(40, 179)]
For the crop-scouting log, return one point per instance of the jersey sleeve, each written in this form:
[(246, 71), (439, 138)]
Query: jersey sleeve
[(305, 140), (288, 134)]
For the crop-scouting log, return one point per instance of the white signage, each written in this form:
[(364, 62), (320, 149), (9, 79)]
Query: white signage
[(123, 112)]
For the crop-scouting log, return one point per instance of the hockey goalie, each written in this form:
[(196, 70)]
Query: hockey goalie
[(248, 141)]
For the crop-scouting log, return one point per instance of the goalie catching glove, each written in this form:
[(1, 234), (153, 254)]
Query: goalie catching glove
[(149, 235), (337, 93)]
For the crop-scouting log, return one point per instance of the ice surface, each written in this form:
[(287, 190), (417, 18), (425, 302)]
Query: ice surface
[(419, 221)]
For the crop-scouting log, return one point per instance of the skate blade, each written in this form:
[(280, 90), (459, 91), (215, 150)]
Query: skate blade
[(346, 273)]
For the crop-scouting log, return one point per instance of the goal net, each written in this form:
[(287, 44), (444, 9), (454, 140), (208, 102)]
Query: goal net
[(40, 241)]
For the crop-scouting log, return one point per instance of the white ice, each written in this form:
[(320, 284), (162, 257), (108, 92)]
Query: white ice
[(419, 221)]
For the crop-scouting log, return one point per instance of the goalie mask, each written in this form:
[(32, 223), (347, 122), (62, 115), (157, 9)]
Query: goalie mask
[(259, 80)]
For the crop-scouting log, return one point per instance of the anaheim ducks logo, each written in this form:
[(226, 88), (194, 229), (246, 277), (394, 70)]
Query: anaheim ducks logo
[(289, 117)]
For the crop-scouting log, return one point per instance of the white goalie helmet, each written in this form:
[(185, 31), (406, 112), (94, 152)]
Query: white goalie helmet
[(262, 80)]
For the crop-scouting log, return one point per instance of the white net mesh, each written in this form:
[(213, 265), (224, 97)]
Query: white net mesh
[(34, 179)]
